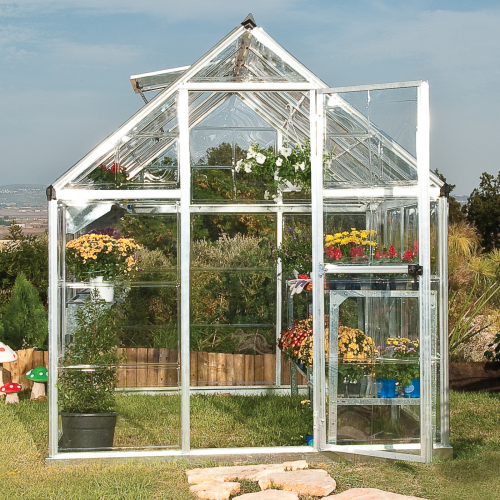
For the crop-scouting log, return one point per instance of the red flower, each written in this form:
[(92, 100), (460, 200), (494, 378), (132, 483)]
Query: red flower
[(408, 256), (102, 166), (415, 248), (115, 168), (392, 251), (329, 251), (337, 254), (384, 255), (377, 254)]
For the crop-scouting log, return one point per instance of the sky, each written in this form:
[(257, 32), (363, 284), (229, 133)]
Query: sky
[(65, 67)]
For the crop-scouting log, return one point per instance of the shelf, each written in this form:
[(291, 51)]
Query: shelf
[(378, 401)]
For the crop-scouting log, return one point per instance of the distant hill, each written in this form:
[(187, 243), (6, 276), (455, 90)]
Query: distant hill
[(23, 194)]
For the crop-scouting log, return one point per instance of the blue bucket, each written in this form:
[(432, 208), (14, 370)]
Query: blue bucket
[(386, 388), (413, 390), (310, 439)]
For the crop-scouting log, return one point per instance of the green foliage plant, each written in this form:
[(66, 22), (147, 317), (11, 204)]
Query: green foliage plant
[(483, 210), (473, 285), (295, 252), (233, 283), (88, 380), (25, 319), (26, 253), (289, 164), (108, 174)]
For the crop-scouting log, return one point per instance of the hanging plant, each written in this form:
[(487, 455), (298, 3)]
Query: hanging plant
[(289, 164)]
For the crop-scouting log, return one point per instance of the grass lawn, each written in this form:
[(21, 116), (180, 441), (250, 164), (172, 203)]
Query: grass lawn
[(473, 474)]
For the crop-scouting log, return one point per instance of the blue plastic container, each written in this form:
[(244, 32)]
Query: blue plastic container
[(386, 388), (310, 439), (413, 390)]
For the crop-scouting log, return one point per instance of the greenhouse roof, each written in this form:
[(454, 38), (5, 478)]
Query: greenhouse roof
[(270, 83)]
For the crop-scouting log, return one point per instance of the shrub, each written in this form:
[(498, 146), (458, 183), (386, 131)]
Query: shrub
[(91, 390), (25, 319)]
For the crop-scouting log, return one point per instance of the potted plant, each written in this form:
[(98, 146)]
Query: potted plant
[(88, 379), (356, 351), (408, 369), (398, 365), (101, 256)]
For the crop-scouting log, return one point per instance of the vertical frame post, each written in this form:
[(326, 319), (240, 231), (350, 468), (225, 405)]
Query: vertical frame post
[(53, 343), (443, 320), (279, 293), (424, 228), (185, 181), (316, 121)]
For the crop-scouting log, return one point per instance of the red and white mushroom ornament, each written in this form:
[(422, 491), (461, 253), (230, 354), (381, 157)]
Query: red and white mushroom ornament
[(7, 355), (10, 389)]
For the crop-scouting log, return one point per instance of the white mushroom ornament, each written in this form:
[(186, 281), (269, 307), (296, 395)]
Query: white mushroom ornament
[(10, 389), (38, 376), (7, 355)]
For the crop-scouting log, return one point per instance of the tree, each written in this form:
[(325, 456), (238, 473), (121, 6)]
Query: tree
[(25, 320), (455, 212), (483, 210), (26, 253)]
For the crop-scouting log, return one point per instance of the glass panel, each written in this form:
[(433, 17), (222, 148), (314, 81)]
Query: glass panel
[(119, 330), (144, 158), (372, 135), (373, 361), (221, 140), (233, 335), (246, 59), (394, 113), (371, 232)]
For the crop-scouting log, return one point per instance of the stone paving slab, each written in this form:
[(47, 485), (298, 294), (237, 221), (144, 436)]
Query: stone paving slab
[(215, 491), (369, 494), (238, 472), (314, 482), (270, 495)]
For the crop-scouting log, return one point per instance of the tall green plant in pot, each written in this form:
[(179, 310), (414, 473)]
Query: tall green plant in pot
[(88, 380)]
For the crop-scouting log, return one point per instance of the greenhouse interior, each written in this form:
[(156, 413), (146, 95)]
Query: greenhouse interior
[(254, 262)]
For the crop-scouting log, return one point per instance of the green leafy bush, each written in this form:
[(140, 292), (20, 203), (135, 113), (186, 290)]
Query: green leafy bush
[(25, 320), (26, 253), (91, 389)]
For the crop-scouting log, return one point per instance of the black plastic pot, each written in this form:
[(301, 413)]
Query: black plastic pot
[(88, 430)]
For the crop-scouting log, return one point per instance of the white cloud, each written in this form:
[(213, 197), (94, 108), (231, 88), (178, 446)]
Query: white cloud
[(19, 42), (453, 42), (170, 10)]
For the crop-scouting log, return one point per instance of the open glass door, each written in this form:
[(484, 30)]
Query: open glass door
[(371, 249)]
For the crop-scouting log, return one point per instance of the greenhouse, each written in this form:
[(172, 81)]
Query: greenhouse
[(253, 263)]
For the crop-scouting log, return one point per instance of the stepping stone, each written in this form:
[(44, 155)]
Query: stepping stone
[(270, 495), (304, 482), (215, 491), (369, 494), (238, 472)]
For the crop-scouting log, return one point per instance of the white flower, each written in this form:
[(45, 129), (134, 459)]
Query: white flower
[(260, 158), (302, 166), (266, 195), (328, 163), (279, 162), (238, 165), (277, 197), (286, 152), (251, 152), (296, 167), (248, 168)]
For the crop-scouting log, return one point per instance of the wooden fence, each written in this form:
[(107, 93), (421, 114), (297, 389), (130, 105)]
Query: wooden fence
[(17, 370), (147, 367)]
